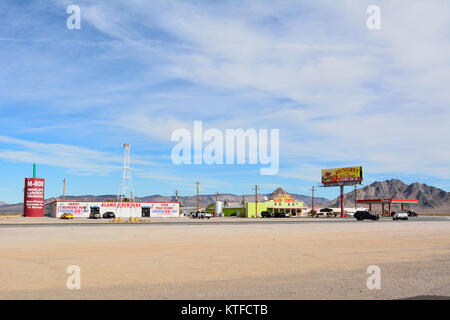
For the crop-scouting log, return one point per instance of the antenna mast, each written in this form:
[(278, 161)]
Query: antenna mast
[(126, 192)]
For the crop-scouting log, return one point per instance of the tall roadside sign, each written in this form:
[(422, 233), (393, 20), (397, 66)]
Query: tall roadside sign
[(33, 204), (340, 177)]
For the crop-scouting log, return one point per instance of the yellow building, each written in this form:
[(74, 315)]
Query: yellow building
[(283, 203)]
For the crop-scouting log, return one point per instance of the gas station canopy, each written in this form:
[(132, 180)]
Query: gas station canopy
[(388, 202)]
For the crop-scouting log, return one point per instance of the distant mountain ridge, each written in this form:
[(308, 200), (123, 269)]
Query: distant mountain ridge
[(187, 201), (430, 198)]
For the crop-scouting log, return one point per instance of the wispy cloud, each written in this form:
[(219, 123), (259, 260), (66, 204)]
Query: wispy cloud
[(78, 160), (339, 93)]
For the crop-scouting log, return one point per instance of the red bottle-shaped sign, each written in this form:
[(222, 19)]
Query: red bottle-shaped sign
[(33, 205)]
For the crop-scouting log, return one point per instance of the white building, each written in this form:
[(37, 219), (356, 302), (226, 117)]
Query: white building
[(82, 209)]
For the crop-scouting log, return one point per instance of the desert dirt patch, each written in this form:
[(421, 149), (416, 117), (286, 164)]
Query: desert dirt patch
[(225, 261)]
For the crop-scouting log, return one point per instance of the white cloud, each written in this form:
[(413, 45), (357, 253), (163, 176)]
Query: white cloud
[(349, 94), (78, 160)]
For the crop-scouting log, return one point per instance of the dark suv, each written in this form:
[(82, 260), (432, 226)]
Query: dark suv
[(109, 215), (361, 215), (281, 215), (411, 213), (265, 214)]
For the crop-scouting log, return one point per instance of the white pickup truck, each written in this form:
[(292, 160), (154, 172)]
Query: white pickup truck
[(400, 215), (202, 215)]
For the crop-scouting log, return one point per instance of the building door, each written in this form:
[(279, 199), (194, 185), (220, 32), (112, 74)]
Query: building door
[(95, 212), (145, 212)]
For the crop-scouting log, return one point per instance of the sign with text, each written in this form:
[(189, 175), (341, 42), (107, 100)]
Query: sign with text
[(33, 205), (165, 209), (348, 175)]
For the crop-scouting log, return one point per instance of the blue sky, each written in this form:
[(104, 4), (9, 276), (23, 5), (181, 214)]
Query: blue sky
[(137, 70)]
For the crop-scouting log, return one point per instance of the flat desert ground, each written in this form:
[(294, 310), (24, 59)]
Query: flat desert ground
[(227, 261)]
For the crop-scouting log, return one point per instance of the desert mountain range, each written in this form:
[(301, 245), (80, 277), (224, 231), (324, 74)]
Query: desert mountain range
[(431, 199)]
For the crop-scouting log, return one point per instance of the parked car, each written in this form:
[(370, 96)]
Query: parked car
[(362, 215), (281, 215), (193, 214), (202, 215), (412, 213), (190, 214), (67, 216), (403, 215), (109, 215), (349, 213), (265, 214)]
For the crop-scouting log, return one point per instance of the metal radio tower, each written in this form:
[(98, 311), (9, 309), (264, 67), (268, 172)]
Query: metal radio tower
[(126, 192)]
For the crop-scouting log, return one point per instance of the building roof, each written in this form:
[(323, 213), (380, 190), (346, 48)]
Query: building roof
[(388, 201)]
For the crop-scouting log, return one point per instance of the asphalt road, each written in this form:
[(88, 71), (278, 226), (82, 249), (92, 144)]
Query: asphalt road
[(264, 221)]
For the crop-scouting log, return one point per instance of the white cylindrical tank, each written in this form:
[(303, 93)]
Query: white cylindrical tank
[(218, 208)]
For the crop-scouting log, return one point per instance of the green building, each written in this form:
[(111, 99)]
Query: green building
[(229, 210), (283, 203)]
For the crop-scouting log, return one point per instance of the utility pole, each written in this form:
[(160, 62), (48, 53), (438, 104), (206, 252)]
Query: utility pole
[(355, 198), (243, 206), (64, 189), (176, 195), (312, 198), (256, 200), (198, 205)]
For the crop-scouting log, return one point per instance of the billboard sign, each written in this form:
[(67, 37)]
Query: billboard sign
[(33, 205), (168, 209), (345, 176), (78, 209)]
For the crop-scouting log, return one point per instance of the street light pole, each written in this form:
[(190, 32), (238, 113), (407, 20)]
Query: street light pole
[(198, 205)]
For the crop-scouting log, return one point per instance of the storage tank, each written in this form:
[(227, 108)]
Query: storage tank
[(218, 208), (33, 203)]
